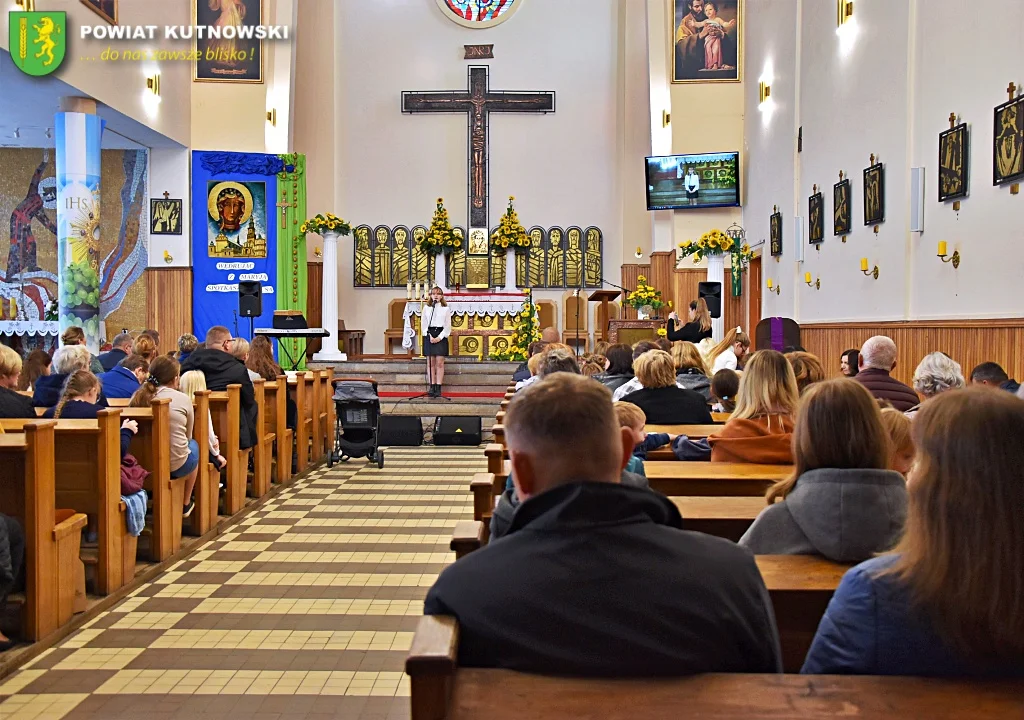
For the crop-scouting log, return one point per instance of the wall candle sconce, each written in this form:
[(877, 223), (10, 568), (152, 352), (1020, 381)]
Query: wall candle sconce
[(955, 258), (864, 268), (639, 252), (816, 284), (844, 12), (764, 91), (666, 118), (26, 5), (153, 84), (272, 117), (777, 289)]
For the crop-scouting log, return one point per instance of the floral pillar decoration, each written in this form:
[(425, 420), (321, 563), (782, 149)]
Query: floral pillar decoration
[(330, 227), (511, 238), (438, 241), (713, 245)]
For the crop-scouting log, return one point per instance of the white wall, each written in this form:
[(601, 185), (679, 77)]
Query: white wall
[(563, 168), (888, 93), (170, 171)]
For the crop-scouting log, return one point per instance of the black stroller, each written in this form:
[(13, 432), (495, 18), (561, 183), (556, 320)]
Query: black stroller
[(355, 433)]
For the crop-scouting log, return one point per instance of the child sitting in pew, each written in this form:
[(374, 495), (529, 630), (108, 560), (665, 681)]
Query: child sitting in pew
[(901, 444), (632, 417), (724, 387), (162, 382), (190, 383)]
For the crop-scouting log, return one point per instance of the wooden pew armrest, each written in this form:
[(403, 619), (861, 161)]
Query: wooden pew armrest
[(467, 537), (435, 647), (75, 523)]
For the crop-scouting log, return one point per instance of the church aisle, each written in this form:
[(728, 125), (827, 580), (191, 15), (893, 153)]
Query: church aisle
[(305, 609)]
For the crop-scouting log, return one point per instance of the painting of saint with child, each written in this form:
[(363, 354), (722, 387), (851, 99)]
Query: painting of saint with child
[(707, 39)]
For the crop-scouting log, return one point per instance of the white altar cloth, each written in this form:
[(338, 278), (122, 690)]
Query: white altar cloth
[(491, 303)]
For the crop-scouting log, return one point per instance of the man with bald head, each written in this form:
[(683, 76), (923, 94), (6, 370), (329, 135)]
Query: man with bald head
[(877, 360), (594, 578)]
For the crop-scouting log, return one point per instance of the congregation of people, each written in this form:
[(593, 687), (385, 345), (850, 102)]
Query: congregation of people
[(589, 572)]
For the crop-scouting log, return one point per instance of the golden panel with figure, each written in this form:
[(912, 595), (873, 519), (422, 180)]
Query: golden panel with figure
[(476, 273), (401, 259), (485, 322), (382, 257), (471, 345), (363, 257), (498, 271), (556, 259), (593, 255), (420, 260), (537, 258), (457, 268), (574, 259)]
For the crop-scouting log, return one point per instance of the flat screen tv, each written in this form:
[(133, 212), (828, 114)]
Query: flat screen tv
[(685, 182)]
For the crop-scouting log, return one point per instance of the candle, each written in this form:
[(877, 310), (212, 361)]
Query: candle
[(807, 278), (863, 264), (417, 290), (14, 309), (770, 283), (408, 291), (942, 248)]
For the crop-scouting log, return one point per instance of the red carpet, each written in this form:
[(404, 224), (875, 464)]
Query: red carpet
[(386, 394)]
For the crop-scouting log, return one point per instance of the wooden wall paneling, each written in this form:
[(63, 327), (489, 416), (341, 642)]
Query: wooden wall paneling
[(662, 266), (969, 342), (314, 309), (169, 302), (629, 275)]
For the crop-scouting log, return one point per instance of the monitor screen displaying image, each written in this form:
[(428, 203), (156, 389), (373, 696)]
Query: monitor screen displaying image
[(681, 182)]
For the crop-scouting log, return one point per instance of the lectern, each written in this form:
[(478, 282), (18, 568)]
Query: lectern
[(604, 297)]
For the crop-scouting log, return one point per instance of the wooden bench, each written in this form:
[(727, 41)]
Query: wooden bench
[(54, 573), (441, 690), (725, 517), (325, 411), (715, 479), (207, 490), (263, 450), (300, 387), (720, 417), (276, 397), (87, 470), (225, 408)]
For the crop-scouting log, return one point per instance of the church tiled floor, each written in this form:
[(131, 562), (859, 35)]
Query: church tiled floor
[(306, 609)]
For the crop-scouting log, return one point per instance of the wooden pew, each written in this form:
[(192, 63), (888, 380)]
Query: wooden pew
[(54, 574), (714, 479), (298, 389), (263, 450), (325, 393), (225, 407), (87, 469), (276, 396), (151, 446), (207, 489), (720, 417), (441, 690), (313, 409), (725, 517)]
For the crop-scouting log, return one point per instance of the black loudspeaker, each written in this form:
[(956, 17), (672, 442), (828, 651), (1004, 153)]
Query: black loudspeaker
[(399, 431), (250, 298), (711, 293), (457, 430)]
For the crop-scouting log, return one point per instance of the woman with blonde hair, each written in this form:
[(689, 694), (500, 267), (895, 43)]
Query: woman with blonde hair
[(75, 335), (901, 444), (437, 319), (12, 403), (697, 327), (145, 346), (948, 601), (240, 351), (841, 502), (163, 383), (664, 402), (760, 429), (190, 383), (691, 372), (729, 351)]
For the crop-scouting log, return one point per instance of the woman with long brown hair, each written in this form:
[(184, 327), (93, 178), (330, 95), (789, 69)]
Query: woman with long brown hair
[(842, 501), (697, 327), (760, 429), (261, 359), (437, 321), (163, 383), (949, 599), (37, 365)]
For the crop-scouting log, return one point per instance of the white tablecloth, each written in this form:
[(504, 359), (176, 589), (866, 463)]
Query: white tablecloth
[(29, 327), (465, 304)]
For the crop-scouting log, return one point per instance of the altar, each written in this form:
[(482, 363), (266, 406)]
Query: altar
[(482, 322), (25, 335)]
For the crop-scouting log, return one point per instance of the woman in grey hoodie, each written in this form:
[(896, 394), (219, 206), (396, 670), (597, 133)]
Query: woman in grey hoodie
[(842, 502), (691, 372)]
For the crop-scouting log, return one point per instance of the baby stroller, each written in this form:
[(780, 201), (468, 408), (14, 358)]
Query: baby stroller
[(355, 433)]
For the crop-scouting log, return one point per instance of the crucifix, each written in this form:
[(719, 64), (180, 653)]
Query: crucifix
[(284, 205), (478, 103)]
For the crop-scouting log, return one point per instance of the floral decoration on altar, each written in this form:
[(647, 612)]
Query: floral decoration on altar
[(526, 333), (439, 238), (645, 297), (716, 242), (510, 233), (322, 223)]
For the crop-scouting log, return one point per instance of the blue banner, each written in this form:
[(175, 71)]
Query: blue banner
[(234, 237)]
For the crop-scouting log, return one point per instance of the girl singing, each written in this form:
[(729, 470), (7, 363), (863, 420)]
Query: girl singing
[(437, 319)]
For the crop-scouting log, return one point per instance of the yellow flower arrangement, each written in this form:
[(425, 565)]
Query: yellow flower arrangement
[(645, 295), (713, 242), (440, 236), (325, 222), (662, 332), (510, 232)]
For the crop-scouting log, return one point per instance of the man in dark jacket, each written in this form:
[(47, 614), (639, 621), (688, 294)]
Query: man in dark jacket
[(223, 369), (125, 379), (993, 375), (121, 347), (877, 360), (597, 579)]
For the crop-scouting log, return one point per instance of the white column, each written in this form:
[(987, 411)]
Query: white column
[(329, 300), (716, 273)]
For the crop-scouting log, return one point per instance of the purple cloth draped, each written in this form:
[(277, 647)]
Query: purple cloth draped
[(778, 343)]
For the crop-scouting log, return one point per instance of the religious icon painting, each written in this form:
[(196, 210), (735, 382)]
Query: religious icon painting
[(775, 225), (164, 216), (362, 262), (231, 59), (237, 219), (478, 14), (954, 161), (106, 9), (1008, 150), (816, 218), (874, 194), (842, 214), (478, 241), (708, 39)]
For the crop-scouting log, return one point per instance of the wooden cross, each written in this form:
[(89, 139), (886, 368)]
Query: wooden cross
[(167, 195), (478, 103), (840, 176), (815, 191), (952, 120), (1011, 90), (872, 161), (284, 213)]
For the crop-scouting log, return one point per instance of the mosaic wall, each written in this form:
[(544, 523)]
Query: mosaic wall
[(558, 258), (29, 207)]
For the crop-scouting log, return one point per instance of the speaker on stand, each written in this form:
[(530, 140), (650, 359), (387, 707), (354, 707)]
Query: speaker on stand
[(250, 301)]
